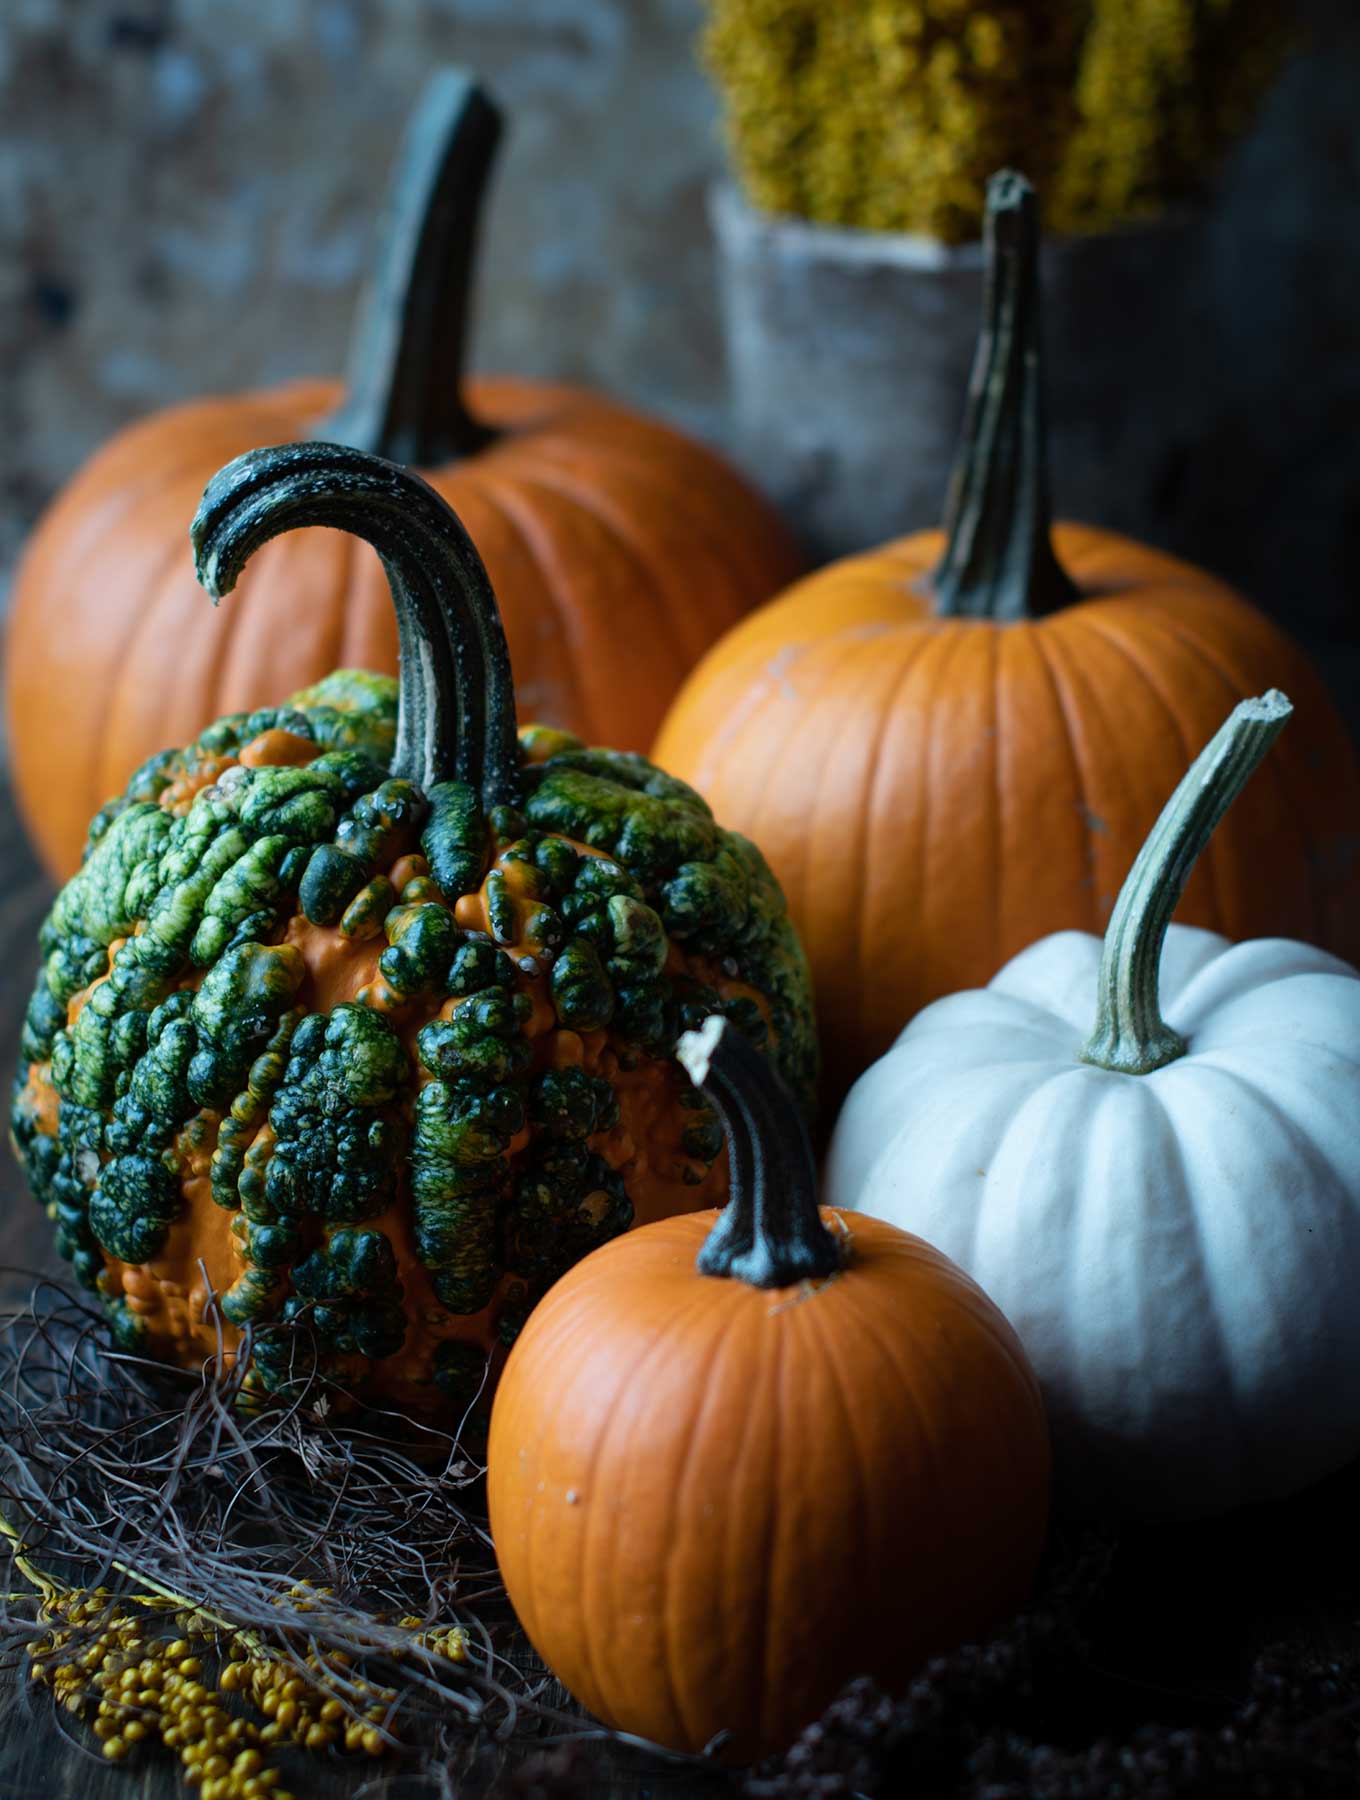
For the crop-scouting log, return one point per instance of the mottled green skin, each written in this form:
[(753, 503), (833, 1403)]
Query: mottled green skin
[(203, 1008), (333, 1161), (347, 1301)]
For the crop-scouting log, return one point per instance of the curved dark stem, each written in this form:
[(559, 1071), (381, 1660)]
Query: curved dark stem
[(403, 391), (770, 1233), (456, 714), (999, 561)]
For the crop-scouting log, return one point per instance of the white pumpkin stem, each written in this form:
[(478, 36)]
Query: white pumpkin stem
[(1131, 1035)]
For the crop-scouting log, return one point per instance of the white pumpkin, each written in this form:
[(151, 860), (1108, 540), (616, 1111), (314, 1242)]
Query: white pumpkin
[(1167, 1210)]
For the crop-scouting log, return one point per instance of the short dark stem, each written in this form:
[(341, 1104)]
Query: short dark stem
[(403, 393), (999, 561), (1130, 1033), (770, 1233), (456, 712)]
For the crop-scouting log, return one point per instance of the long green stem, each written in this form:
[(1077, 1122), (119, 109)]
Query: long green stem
[(403, 392), (456, 708), (770, 1233), (999, 561), (1130, 1034)]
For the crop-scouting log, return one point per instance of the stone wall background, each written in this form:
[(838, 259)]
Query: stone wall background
[(188, 190)]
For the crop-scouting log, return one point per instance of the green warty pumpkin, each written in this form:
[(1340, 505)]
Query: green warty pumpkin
[(358, 1015)]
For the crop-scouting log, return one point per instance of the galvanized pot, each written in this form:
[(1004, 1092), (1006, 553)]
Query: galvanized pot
[(849, 354)]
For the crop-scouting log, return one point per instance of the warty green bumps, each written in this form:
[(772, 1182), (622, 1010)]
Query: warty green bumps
[(405, 1170)]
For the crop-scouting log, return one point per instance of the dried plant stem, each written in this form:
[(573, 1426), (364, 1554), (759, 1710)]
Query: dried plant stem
[(46, 1587), (334, 1566)]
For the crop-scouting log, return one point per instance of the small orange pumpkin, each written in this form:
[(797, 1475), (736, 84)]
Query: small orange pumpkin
[(619, 548), (737, 1458), (955, 744)]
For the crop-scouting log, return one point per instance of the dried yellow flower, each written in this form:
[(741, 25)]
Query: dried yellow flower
[(891, 116), (143, 1686)]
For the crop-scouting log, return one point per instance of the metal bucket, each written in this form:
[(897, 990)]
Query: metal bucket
[(849, 353)]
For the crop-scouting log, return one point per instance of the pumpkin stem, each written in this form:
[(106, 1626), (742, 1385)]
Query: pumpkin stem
[(770, 1233), (1130, 1034), (999, 562), (456, 707), (403, 391)]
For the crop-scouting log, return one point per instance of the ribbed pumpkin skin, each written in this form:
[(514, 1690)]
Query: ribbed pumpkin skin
[(713, 1504), (1179, 1251), (934, 794), (619, 551)]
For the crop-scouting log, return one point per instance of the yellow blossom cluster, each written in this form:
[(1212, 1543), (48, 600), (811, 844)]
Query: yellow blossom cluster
[(114, 1660), (891, 114), (101, 1655)]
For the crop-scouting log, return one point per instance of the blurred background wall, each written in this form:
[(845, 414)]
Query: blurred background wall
[(188, 190)]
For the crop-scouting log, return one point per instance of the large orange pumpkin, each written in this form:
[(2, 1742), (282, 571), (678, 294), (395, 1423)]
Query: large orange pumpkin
[(956, 743), (737, 1458), (619, 548)]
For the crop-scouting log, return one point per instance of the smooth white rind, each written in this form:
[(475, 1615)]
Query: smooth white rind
[(1179, 1252)]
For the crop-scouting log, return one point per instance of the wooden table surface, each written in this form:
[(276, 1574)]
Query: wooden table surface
[(1186, 1610)]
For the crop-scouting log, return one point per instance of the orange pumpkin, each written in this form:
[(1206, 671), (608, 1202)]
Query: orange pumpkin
[(956, 743), (619, 548), (720, 1488)]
